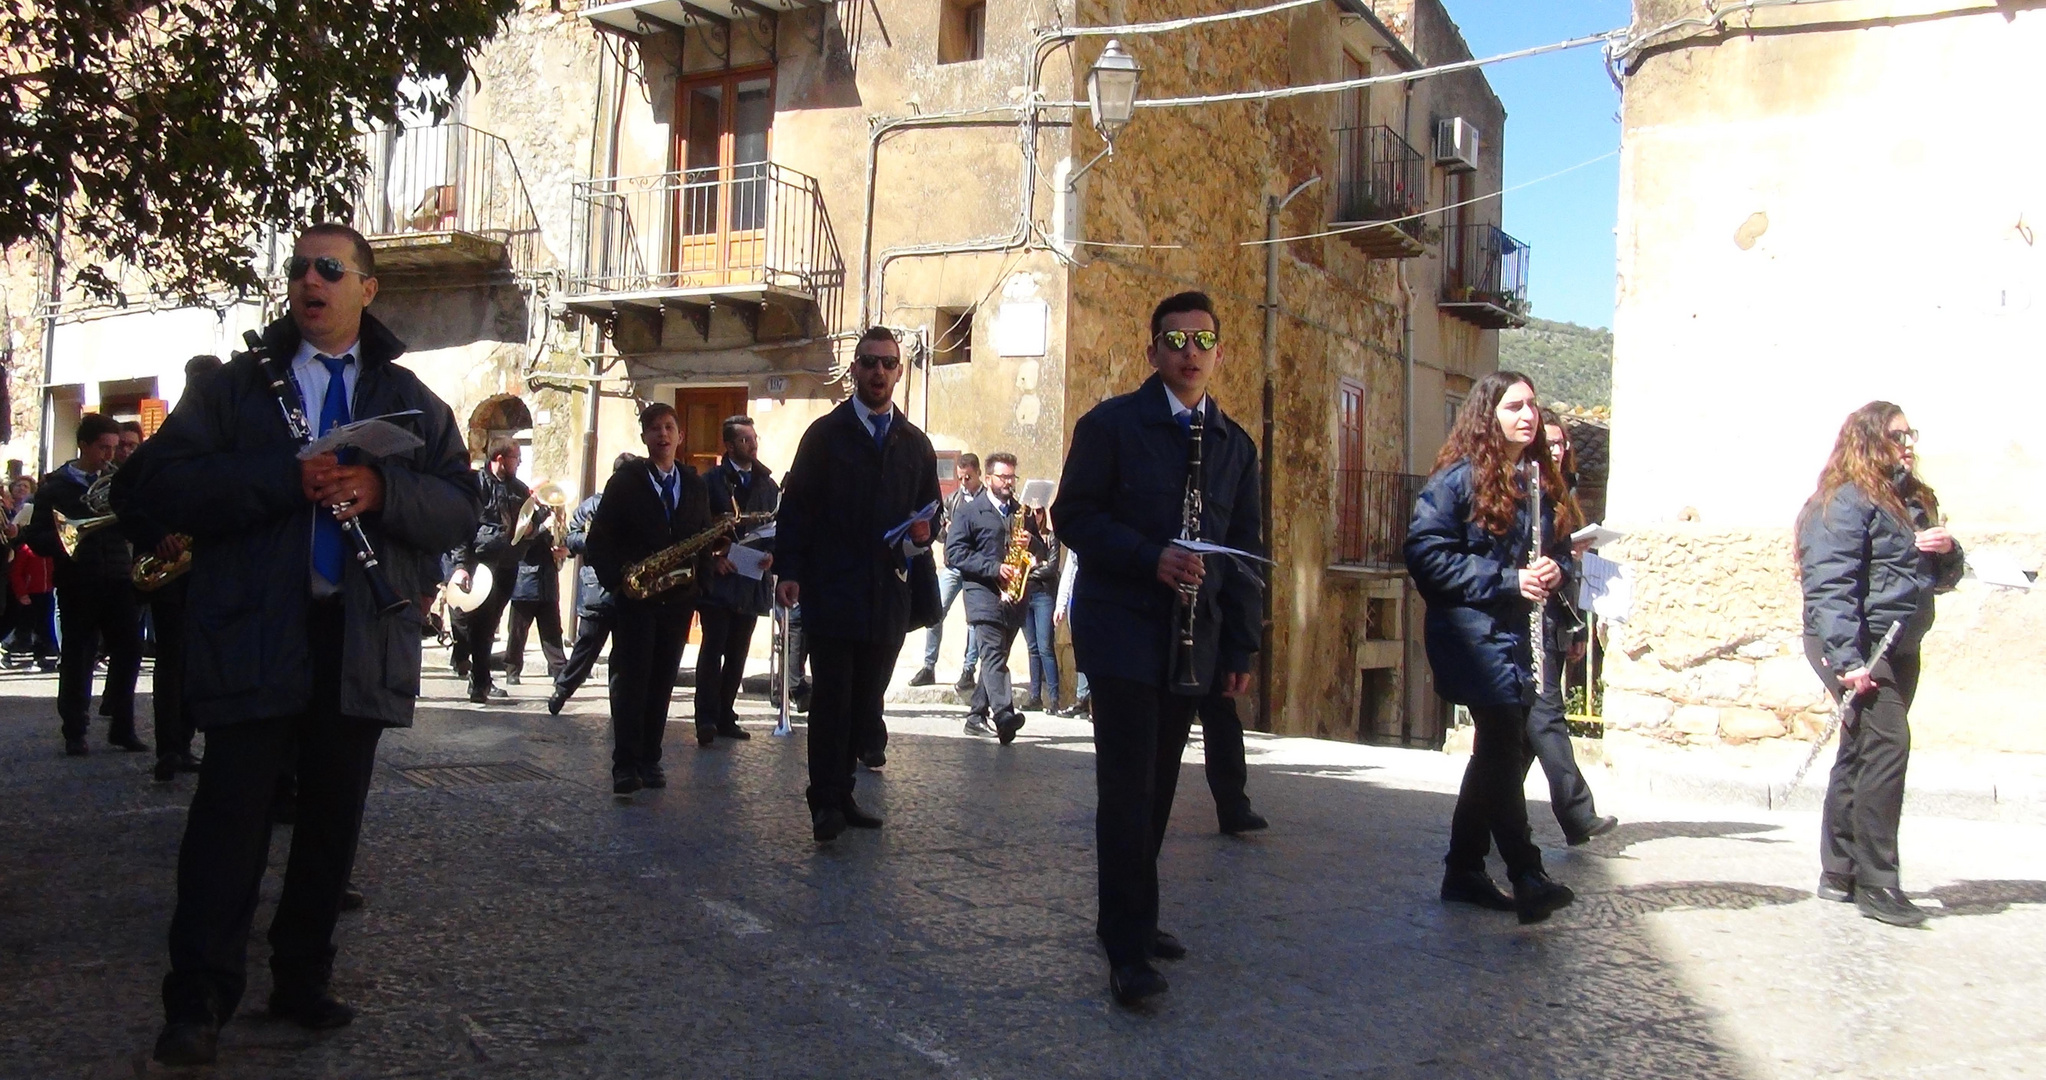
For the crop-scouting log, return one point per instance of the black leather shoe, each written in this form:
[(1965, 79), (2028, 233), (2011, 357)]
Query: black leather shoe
[(924, 677), (858, 818), (978, 725), (499, 692), (352, 898), (733, 731), (555, 701), (1536, 897), (1888, 905), (185, 1043), (166, 770), (625, 783), (706, 734), (76, 748), (511, 678), (1166, 947), (965, 683), (315, 1009), (479, 698), (129, 743), (1242, 820), (1132, 983), (188, 762), (1600, 827), (826, 824), (1838, 888), (1007, 729), (1033, 703), (652, 776), (1474, 887), (874, 759)]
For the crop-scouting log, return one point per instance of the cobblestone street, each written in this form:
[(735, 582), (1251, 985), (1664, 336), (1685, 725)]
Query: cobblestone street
[(522, 923)]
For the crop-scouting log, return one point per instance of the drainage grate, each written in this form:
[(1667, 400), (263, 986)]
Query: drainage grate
[(473, 774)]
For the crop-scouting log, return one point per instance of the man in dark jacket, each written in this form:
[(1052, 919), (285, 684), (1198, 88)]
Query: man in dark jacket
[(1120, 507), (861, 472), (290, 660), (502, 493), (649, 505), (977, 546), (732, 602), (593, 601), (536, 603), (95, 601)]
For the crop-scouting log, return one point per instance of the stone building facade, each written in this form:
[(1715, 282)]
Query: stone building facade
[(1760, 302)]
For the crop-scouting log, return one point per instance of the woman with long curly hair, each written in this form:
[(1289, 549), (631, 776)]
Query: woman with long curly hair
[(1471, 552), (1871, 552)]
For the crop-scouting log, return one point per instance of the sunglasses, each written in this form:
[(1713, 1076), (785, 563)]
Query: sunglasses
[(328, 266), (868, 361), (1177, 339), (1907, 437)]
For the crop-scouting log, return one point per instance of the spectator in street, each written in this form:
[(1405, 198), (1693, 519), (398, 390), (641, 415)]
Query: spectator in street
[(30, 581), (1473, 553), (593, 601), (1872, 551), (1040, 602), (1062, 609), (966, 470), (733, 602)]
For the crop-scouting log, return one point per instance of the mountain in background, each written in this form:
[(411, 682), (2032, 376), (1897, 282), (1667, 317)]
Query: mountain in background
[(1568, 362)]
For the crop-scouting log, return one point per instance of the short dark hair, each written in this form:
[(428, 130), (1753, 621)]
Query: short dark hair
[(653, 413), (498, 446), (92, 426), (970, 460), (622, 460), (732, 424), (1190, 300), (1001, 458), (876, 333), (365, 256), (200, 366), (132, 425)]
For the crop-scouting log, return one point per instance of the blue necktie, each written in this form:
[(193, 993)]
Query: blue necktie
[(1185, 421), (327, 541), (669, 494), (881, 430)]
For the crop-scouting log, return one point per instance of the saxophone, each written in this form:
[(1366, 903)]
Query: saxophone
[(674, 566), (1019, 557)]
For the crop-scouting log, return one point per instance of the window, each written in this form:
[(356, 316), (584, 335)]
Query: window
[(953, 336), (962, 30), (1349, 472)]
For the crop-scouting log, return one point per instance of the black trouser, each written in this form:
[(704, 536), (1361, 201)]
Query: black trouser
[(524, 614), (167, 685), (1548, 737), (1865, 794), (34, 626), (848, 680), (1491, 807), (582, 658), (227, 843), (646, 656), (96, 613), (479, 632), (994, 694), (721, 664), (1139, 733), (1222, 754)]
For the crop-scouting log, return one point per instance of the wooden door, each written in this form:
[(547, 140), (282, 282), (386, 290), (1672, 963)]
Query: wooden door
[(703, 410), (721, 155)]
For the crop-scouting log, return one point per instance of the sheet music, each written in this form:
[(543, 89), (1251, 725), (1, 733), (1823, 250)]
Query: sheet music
[(1605, 588), (376, 436), (747, 562)]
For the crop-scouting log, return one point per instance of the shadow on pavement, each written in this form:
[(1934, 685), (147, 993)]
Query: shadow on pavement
[(1987, 897)]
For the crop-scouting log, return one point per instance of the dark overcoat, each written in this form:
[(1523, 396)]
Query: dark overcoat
[(737, 592), (593, 601), (632, 523)]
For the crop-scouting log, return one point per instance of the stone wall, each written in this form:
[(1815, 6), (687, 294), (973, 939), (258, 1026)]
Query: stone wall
[(1712, 651)]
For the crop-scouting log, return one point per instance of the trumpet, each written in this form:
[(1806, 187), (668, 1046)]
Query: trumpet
[(151, 572), (73, 531), (548, 498)]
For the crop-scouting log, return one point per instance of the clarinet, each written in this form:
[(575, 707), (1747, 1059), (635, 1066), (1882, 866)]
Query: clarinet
[(386, 598), (1185, 679), (1537, 632)]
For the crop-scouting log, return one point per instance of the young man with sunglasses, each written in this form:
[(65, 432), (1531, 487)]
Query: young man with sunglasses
[(1119, 508), (861, 471), (293, 665)]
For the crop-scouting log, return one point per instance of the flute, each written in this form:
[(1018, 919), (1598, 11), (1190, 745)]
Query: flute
[(1536, 629)]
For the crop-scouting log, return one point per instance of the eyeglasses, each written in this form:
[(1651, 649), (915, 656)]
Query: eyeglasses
[(868, 361), (328, 266), (1904, 437), (1177, 339)]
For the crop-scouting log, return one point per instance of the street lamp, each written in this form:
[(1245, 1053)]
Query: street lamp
[(1111, 99)]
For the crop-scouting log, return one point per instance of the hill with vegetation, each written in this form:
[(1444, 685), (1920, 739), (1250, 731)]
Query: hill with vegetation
[(1568, 362)]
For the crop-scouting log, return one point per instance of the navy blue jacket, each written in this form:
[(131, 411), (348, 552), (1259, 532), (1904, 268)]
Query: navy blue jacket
[(593, 600), (1862, 570), (1119, 504), (631, 523), (737, 592), (1477, 620), (841, 496), (537, 580), (976, 542)]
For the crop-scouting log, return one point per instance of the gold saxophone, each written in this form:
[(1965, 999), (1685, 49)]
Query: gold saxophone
[(675, 565), (1019, 556)]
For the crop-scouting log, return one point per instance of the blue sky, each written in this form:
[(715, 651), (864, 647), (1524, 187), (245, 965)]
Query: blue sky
[(1560, 110)]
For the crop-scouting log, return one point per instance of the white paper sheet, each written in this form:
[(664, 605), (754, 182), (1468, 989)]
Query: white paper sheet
[(1205, 548), (1598, 534), (1036, 494), (22, 515), (1998, 568), (747, 562), (376, 437)]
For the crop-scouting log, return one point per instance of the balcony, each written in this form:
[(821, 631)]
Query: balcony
[(1485, 279), (752, 240), (642, 17), (1372, 512), (444, 198), (1382, 183)]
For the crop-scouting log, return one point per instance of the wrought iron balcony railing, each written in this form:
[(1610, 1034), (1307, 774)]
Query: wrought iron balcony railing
[(442, 195), (703, 230), (1379, 177), (1372, 512), (1484, 280)]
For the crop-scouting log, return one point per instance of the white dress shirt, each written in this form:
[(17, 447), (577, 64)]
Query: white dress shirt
[(311, 376)]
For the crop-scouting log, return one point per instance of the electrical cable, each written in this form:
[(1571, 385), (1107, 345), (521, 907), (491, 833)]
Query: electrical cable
[(1437, 210), (1167, 25)]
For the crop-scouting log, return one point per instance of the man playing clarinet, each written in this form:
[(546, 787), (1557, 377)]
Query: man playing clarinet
[(1155, 625)]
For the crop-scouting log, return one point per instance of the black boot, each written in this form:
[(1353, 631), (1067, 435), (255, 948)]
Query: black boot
[(1474, 887), (1535, 897)]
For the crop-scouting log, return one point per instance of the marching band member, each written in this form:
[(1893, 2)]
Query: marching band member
[(593, 601), (1122, 501), (861, 471), (977, 546), (649, 504), (732, 602), (502, 492)]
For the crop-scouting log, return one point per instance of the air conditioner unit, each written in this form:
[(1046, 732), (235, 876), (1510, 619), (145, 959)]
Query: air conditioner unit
[(1456, 144)]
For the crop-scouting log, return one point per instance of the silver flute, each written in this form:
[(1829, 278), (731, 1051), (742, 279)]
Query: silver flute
[(1537, 618)]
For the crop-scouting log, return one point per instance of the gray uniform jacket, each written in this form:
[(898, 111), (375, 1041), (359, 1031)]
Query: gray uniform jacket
[(224, 470), (1862, 571), (976, 543)]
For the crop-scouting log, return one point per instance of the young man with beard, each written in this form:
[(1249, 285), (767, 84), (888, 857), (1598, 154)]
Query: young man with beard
[(649, 504), (861, 471), (294, 664), (977, 546), (732, 602), (1120, 507)]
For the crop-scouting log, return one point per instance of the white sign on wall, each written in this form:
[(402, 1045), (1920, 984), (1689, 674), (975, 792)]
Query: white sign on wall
[(1021, 328)]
